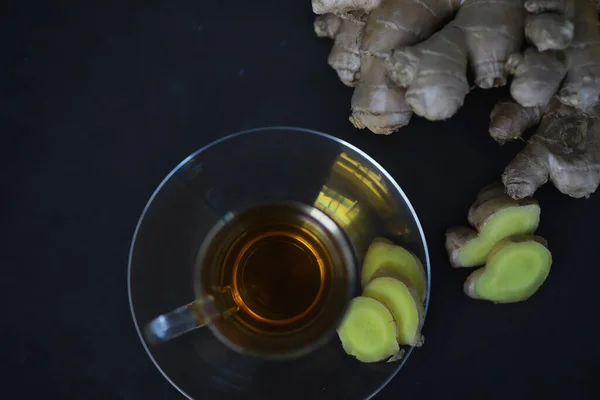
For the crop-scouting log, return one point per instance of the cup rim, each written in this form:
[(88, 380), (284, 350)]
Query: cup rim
[(206, 147)]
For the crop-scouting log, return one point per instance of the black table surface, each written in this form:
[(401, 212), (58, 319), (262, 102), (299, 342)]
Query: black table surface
[(100, 100)]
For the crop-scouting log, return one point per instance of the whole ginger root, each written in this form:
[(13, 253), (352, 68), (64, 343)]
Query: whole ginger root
[(435, 71), (344, 57), (581, 87), (378, 103), (565, 149), (412, 56), (556, 84), (564, 58), (410, 62)]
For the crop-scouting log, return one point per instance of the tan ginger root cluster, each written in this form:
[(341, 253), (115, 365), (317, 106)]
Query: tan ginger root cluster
[(564, 57), (516, 261), (556, 84), (565, 148), (401, 58), (390, 311), (399, 61), (412, 56)]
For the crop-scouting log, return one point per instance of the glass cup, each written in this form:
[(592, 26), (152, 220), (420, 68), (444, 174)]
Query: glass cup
[(188, 325)]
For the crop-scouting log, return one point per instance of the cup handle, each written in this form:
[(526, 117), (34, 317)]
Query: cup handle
[(183, 319)]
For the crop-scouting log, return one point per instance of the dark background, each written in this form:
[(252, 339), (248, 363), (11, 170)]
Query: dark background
[(99, 101)]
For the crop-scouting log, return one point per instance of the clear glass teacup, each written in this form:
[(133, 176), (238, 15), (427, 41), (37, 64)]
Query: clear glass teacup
[(246, 256)]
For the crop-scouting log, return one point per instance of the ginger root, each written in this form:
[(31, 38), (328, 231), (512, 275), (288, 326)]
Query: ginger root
[(433, 93), (515, 269), (406, 67), (383, 258), (581, 87), (549, 25), (537, 76), (344, 56), (509, 120), (565, 59), (558, 89), (368, 331), (377, 103), (343, 6), (495, 216), (404, 304), (402, 59), (435, 71), (565, 148)]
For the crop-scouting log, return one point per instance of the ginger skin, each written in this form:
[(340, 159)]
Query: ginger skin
[(565, 150), (581, 88), (549, 31), (432, 94), (378, 103), (485, 32), (537, 76), (566, 36), (344, 56), (509, 120), (402, 60), (343, 6)]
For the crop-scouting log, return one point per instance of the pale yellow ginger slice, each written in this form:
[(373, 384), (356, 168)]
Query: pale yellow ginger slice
[(368, 331), (495, 218), (516, 268), (383, 254), (404, 305)]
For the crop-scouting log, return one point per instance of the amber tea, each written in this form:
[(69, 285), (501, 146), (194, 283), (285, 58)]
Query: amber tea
[(285, 271)]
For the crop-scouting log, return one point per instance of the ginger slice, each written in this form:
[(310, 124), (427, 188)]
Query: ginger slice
[(404, 305), (384, 254), (495, 219), (515, 270), (368, 331)]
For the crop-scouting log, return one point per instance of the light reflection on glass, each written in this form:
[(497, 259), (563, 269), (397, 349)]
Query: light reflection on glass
[(342, 209), (357, 199)]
